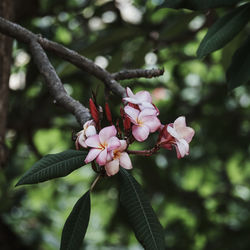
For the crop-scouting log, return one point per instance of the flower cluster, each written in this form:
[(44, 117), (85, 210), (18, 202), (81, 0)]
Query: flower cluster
[(109, 146)]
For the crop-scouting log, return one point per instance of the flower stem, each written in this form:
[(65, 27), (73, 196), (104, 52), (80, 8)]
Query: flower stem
[(144, 152), (94, 183)]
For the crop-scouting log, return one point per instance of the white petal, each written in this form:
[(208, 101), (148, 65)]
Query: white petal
[(112, 167), (186, 133), (93, 153), (147, 105), (107, 133), (101, 159), (81, 140), (172, 132), (93, 141), (88, 123), (140, 133), (113, 143), (132, 113), (123, 145), (143, 96), (146, 112), (152, 122), (110, 156), (129, 92), (131, 100), (125, 161), (180, 122), (183, 147), (90, 131)]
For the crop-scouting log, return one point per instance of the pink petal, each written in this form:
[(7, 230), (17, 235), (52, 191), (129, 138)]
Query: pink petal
[(90, 131), (113, 143), (107, 133), (152, 122), (102, 157), (123, 145), (143, 96), (146, 112), (178, 152), (112, 167), (93, 153), (93, 141), (132, 113), (125, 161), (140, 132)]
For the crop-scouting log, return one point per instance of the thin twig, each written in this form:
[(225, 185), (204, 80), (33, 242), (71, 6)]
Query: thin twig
[(148, 152), (137, 73)]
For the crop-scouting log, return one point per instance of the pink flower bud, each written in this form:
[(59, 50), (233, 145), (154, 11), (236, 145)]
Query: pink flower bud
[(89, 129)]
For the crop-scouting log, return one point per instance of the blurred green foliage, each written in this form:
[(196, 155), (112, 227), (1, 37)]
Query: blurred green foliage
[(203, 201)]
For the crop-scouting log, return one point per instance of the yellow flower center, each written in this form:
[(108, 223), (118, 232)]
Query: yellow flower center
[(116, 154), (103, 146)]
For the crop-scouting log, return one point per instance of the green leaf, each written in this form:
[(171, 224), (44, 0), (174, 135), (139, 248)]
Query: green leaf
[(238, 72), (146, 225), (199, 4), (53, 166), (76, 224), (224, 30)]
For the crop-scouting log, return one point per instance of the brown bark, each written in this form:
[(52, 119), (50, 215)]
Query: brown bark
[(6, 11)]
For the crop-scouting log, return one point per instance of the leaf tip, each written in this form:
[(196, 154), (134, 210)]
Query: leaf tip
[(19, 183)]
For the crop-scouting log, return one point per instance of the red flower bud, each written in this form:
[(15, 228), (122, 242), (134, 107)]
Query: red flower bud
[(108, 113), (126, 123), (125, 120), (119, 132), (122, 112), (93, 111)]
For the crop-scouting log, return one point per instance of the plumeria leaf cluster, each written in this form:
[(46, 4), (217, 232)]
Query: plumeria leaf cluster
[(107, 149)]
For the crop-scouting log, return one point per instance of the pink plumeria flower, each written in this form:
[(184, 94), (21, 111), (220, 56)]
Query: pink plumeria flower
[(118, 158), (179, 135), (145, 122), (142, 98), (101, 144), (88, 130)]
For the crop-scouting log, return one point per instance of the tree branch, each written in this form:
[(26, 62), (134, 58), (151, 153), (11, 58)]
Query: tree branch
[(37, 43), (84, 64), (55, 85), (137, 73), (20, 33)]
